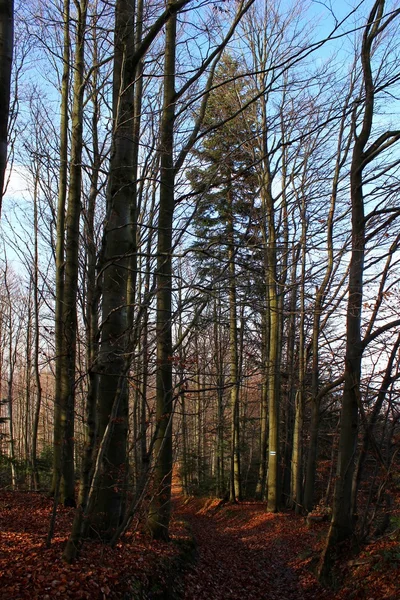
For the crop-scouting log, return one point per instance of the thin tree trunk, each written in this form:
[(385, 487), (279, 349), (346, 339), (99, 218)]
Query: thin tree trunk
[(262, 471), (318, 309), (235, 477), (218, 359), (66, 399), (297, 456), (60, 244), (370, 424), (12, 357), (36, 368), (290, 368), (28, 382), (80, 526)]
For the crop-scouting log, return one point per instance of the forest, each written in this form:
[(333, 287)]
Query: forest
[(199, 331)]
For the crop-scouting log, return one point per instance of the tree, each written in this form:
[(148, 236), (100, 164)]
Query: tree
[(343, 146), (6, 54), (226, 183), (67, 270), (105, 502), (364, 152), (159, 513)]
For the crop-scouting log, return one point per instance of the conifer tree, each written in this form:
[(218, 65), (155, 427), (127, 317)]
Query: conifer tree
[(225, 181)]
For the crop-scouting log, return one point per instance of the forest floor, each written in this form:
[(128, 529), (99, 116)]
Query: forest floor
[(245, 553), (241, 553)]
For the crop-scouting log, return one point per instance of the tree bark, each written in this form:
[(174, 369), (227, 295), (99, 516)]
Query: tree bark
[(273, 346), (342, 524), (119, 243), (67, 359), (60, 244), (160, 509), (6, 55)]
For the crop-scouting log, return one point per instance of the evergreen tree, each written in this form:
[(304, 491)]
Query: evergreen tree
[(225, 181)]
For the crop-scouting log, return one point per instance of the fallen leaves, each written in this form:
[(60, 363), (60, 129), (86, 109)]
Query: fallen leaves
[(30, 571), (246, 553), (243, 553)]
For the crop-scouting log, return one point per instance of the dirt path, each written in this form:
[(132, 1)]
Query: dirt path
[(246, 554)]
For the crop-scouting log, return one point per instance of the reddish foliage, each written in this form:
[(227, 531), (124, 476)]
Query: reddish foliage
[(243, 554), (29, 570)]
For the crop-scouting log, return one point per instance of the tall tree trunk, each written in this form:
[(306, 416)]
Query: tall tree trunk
[(79, 526), (342, 519), (119, 240), (92, 298), (297, 455), (67, 359), (219, 366), (6, 55), (36, 324), (273, 366), (160, 509), (12, 345), (28, 383), (235, 491), (60, 245), (290, 364), (262, 471)]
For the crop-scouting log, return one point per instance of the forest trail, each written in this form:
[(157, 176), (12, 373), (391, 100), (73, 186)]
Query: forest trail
[(243, 553)]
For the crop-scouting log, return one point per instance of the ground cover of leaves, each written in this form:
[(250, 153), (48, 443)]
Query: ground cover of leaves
[(242, 553), (29, 570), (245, 554)]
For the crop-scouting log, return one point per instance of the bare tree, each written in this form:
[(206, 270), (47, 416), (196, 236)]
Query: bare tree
[(364, 152), (6, 54)]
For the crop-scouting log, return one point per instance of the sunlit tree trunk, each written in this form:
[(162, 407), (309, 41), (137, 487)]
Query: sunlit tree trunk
[(297, 452), (272, 359)]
